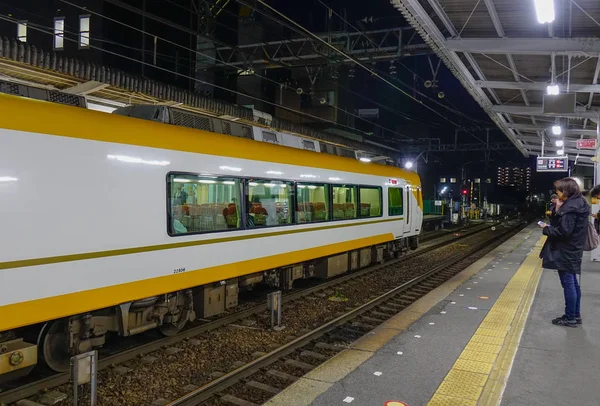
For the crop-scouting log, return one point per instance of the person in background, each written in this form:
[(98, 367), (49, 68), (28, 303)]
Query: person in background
[(563, 250), (595, 197), (551, 213)]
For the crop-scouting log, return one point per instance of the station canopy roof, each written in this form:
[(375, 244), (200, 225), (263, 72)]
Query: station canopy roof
[(506, 58)]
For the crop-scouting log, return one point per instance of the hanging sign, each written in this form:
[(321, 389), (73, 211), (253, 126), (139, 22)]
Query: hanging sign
[(552, 164), (586, 144)]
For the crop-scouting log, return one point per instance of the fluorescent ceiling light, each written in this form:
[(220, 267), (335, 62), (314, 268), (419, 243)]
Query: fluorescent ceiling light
[(544, 10), (229, 182), (553, 90), (207, 181), (334, 179), (556, 130), (308, 176), (559, 143), (275, 173), (7, 179), (253, 184)]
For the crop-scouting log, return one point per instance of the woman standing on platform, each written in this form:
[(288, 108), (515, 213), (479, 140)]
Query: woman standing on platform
[(563, 250)]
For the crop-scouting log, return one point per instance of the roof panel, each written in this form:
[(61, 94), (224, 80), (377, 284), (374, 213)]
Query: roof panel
[(534, 68), (470, 17), (495, 67)]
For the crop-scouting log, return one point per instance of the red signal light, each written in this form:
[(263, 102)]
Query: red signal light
[(464, 192)]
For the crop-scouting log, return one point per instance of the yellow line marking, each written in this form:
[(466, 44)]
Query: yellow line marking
[(481, 372)]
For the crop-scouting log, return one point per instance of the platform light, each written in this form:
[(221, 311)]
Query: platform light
[(408, 165), (552, 90), (8, 179), (365, 159), (556, 130), (559, 143), (560, 152), (544, 10)]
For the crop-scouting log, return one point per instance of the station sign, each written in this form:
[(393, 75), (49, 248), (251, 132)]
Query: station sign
[(552, 164), (586, 144)]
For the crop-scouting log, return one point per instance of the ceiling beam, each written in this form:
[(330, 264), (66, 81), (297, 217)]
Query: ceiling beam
[(418, 17), (583, 153), (526, 46), (541, 86), (495, 18), (535, 128), (580, 112)]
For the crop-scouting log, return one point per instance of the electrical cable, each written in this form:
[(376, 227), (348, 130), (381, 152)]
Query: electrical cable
[(231, 65), (51, 33), (373, 73)]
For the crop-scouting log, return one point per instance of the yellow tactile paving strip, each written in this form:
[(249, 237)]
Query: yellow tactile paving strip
[(479, 376)]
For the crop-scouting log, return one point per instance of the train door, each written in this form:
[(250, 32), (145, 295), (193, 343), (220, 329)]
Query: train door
[(408, 209)]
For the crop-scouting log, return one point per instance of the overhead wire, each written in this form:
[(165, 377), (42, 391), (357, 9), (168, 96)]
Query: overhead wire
[(231, 65), (363, 66), (50, 32)]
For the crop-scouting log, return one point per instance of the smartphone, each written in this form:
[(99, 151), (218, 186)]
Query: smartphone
[(541, 223)]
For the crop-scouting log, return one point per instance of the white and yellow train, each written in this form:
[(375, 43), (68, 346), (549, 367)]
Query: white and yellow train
[(115, 224)]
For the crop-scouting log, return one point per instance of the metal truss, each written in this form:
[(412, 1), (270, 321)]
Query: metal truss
[(541, 86), (458, 147), (526, 46), (376, 45)]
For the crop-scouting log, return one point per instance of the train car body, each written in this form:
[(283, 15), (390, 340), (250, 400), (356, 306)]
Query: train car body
[(115, 224)]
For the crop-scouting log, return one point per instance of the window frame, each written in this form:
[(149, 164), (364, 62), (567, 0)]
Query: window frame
[(328, 195), (380, 201), (243, 195), (22, 24), (169, 216), (59, 34), (81, 36), (401, 189), (357, 203), (245, 181)]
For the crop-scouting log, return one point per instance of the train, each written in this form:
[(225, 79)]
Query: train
[(113, 225)]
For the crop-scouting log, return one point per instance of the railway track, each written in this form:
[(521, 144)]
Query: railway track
[(311, 349), (32, 388)]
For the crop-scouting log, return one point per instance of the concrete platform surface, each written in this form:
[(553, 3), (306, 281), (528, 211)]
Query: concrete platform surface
[(447, 348), (559, 365)]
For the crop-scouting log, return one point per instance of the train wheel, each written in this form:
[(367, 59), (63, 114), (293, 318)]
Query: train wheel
[(54, 345)]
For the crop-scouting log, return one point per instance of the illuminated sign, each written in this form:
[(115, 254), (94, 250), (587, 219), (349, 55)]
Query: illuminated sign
[(552, 164), (586, 144)]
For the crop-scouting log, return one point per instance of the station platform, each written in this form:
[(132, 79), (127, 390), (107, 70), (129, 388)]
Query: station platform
[(483, 338)]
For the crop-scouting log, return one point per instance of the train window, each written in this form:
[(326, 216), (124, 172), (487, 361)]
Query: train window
[(344, 202), (395, 201), (370, 201), (200, 204), (312, 203), (269, 203)]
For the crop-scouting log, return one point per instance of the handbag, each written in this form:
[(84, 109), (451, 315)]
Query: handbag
[(592, 240)]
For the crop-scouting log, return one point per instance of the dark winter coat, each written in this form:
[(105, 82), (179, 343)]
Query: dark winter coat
[(563, 250)]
